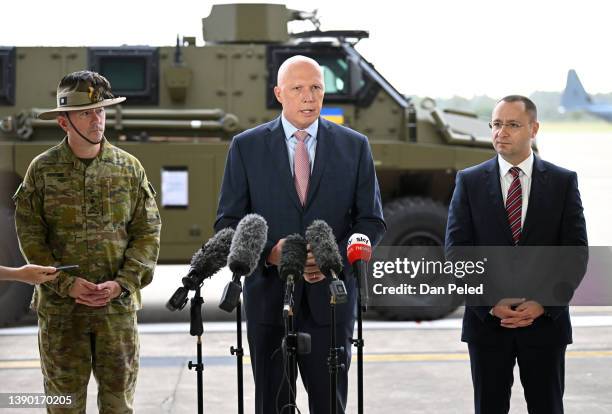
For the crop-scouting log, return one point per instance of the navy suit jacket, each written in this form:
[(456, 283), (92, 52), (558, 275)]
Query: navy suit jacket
[(343, 191), (477, 217)]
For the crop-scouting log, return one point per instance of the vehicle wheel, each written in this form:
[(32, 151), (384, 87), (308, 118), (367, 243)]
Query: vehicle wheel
[(418, 221), (14, 296)]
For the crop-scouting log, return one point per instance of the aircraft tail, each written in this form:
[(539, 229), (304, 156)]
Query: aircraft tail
[(574, 96)]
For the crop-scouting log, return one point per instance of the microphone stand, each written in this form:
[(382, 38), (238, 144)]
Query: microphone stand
[(290, 342), (229, 302), (239, 352), (334, 351), (359, 341), (196, 329)]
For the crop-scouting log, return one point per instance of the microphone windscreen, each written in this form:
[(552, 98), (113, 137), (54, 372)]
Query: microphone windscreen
[(358, 248), (197, 260), (213, 255), (293, 257), (248, 243), (324, 248)]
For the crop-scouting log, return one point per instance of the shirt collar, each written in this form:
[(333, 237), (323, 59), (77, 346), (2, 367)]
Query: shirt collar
[(526, 165), (290, 129), (105, 152)]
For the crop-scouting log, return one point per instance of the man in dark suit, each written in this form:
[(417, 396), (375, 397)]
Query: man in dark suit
[(516, 199), (293, 170)]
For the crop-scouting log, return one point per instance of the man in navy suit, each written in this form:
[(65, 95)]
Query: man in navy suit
[(293, 170), (517, 199)]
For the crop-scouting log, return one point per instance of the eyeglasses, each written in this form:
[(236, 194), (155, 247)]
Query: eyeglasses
[(497, 125)]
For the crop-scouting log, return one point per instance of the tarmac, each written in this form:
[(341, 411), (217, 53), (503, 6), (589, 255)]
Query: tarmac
[(409, 368)]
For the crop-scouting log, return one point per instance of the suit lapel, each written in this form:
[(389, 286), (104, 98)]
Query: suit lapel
[(492, 180), (536, 194), (280, 157), (324, 143)]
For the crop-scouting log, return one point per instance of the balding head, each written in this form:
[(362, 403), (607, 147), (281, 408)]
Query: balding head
[(300, 90), (293, 61)]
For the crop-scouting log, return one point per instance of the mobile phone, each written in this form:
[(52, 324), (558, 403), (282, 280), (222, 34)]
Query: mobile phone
[(68, 267)]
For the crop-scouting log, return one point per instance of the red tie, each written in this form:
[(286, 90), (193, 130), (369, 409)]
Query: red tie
[(514, 204), (301, 165)]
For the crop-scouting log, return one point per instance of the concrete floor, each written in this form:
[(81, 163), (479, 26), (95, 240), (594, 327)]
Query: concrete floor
[(409, 368)]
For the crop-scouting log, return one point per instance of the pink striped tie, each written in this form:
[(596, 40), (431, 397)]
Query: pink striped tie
[(301, 165), (514, 204)]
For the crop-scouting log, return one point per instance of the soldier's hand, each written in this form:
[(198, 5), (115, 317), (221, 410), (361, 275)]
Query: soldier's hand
[(89, 294), (33, 274), (113, 287)]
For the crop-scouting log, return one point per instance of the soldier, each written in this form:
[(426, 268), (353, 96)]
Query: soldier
[(86, 202)]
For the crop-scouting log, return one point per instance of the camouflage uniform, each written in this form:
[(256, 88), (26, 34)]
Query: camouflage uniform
[(104, 218)]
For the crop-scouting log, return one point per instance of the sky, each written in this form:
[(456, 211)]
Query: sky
[(437, 48)]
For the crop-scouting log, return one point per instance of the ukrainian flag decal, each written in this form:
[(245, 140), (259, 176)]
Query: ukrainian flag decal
[(333, 114)]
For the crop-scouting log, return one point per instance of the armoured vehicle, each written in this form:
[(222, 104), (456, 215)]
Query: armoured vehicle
[(185, 103)]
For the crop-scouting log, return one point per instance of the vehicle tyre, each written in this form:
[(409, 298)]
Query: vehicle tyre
[(418, 221)]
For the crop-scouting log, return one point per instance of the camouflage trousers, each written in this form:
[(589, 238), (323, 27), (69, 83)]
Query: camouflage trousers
[(71, 346)]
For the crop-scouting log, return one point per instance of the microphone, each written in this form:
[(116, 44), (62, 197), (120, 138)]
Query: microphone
[(325, 250), (209, 259), (359, 252), (205, 262), (247, 244), (293, 257), (291, 266)]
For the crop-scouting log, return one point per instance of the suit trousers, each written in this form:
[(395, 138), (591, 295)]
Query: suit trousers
[(271, 385), (542, 374)]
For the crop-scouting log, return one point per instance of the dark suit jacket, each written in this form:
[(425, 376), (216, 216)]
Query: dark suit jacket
[(477, 217), (343, 191)]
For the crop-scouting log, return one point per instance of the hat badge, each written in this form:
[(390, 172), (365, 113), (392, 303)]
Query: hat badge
[(94, 95)]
